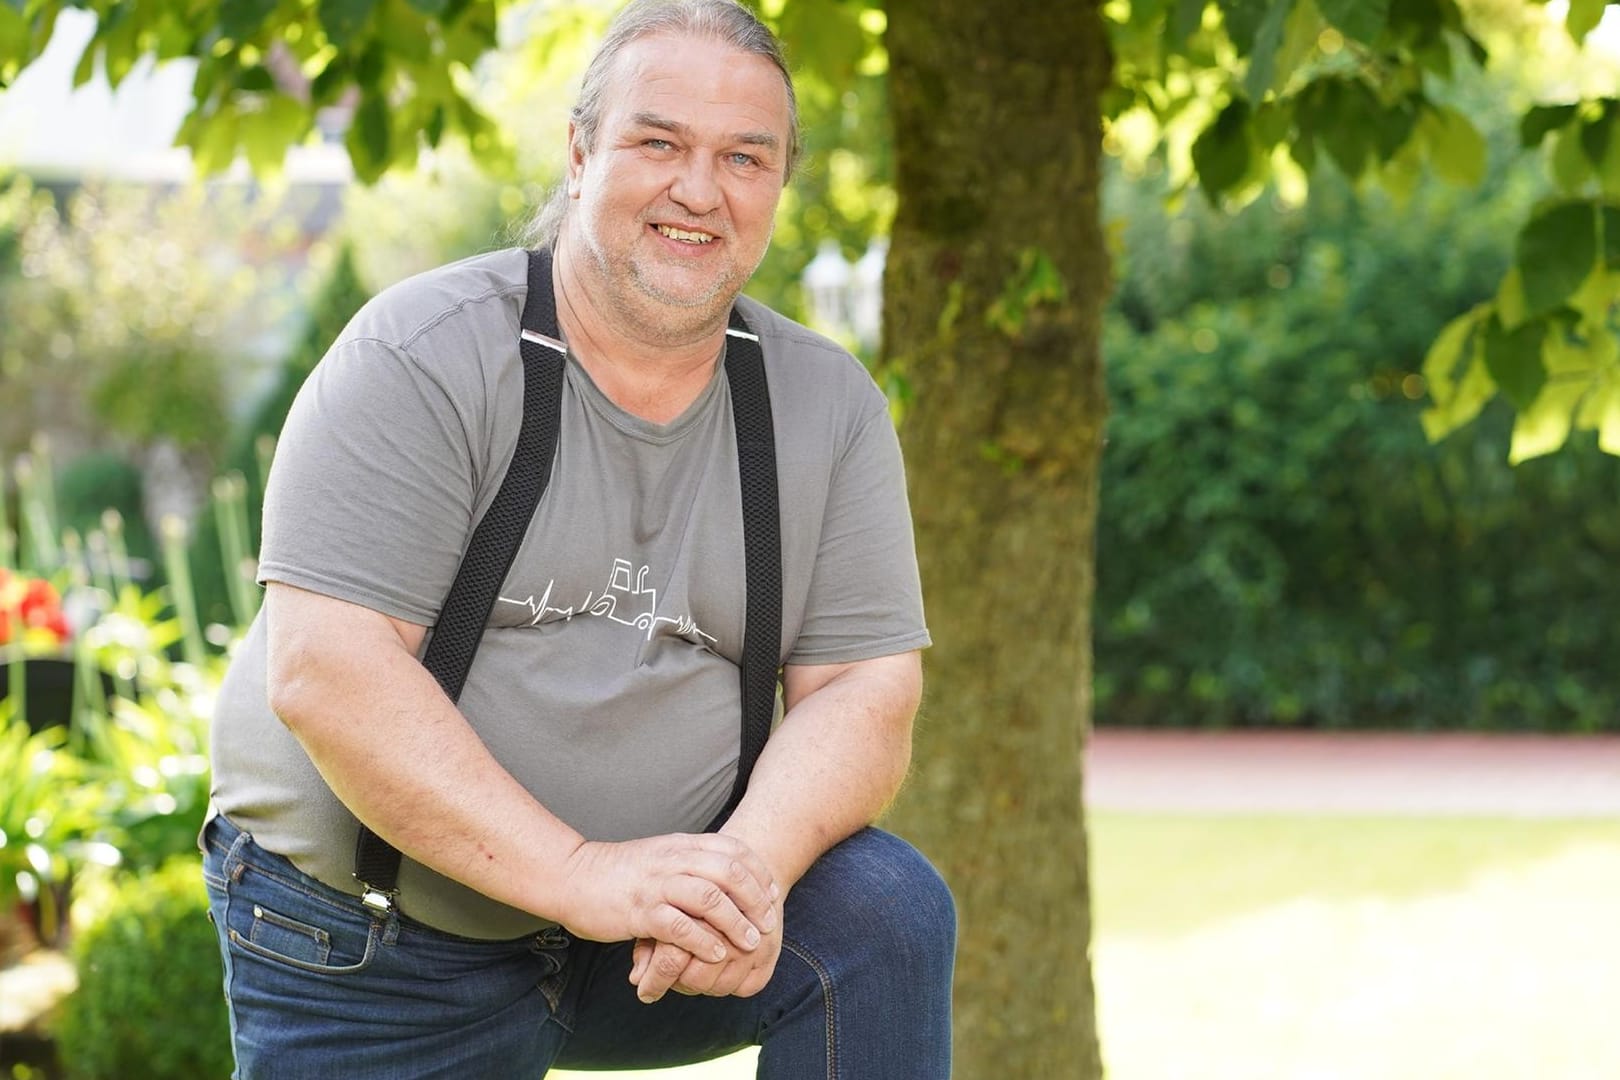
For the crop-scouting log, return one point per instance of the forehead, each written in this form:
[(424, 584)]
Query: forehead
[(698, 81)]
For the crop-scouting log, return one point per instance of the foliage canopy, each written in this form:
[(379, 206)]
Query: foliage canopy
[(1235, 93)]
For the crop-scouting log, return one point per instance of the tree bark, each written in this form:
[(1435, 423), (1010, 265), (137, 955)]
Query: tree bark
[(997, 157)]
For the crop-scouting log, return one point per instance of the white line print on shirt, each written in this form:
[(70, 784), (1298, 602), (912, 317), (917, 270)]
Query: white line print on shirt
[(619, 589)]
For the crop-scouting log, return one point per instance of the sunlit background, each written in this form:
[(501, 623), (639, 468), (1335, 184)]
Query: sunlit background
[(1281, 547)]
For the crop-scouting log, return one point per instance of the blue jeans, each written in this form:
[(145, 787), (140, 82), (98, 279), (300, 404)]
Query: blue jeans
[(321, 987)]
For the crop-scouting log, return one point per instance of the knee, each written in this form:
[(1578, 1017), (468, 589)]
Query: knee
[(901, 907)]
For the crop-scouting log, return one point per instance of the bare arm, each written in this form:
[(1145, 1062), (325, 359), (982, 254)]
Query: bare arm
[(396, 751), (835, 762)]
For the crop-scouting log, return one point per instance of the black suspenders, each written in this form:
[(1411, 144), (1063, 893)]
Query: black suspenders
[(495, 542)]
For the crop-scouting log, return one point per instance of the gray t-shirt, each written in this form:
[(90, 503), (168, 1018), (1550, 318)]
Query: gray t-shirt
[(607, 682)]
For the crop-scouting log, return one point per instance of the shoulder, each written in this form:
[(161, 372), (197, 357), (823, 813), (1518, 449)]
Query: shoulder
[(805, 367), (463, 302)]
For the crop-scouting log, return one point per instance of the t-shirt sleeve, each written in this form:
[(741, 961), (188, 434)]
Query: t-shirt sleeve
[(865, 599), (371, 494)]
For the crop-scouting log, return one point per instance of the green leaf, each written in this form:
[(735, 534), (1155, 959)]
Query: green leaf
[(1557, 249), (13, 44), (1510, 305), (344, 20), (1403, 172), (1570, 169), (213, 145), (1349, 135), (1243, 19), (1446, 354), (1544, 426), (370, 68), (120, 34), (255, 80), (1358, 20), (1539, 121), (1037, 281), (1601, 410), (85, 69), (1271, 122), (268, 131), (330, 83), (827, 38), (1262, 74), (1222, 152), (1457, 151), (1394, 127), (1597, 132), (368, 139), (240, 20), (1582, 16), (405, 34), (433, 130), (1513, 359), (1463, 399), (1185, 20), (1609, 225), (431, 8), (1300, 35), (1595, 296)]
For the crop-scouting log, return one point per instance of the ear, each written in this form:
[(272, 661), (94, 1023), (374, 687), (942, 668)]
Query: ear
[(576, 161)]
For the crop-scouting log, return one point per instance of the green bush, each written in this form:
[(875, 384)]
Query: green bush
[(90, 485), (150, 1000), (1278, 542)]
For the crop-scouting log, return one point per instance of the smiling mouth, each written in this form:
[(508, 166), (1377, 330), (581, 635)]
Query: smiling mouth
[(685, 236)]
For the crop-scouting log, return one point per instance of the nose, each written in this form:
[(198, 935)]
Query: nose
[(696, 186)]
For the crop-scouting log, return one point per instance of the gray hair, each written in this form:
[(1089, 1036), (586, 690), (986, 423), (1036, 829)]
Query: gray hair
[(725, 21)]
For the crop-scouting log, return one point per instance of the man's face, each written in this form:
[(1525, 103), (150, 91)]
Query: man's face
[(678, 196)]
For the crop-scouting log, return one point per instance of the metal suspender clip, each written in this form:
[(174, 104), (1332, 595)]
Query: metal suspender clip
[(379, 900)]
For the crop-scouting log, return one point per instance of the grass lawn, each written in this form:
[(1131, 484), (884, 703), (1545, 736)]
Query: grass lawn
[(1343, 948), (1357, 948)]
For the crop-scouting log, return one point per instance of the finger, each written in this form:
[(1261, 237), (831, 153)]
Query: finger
[(756, 883), (739, 878), (669, 924), (698, 978), (640, 953), (704, 900), (664, 967)]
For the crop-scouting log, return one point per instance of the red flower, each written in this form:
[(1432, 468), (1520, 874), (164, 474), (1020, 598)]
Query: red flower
[(30, 606)]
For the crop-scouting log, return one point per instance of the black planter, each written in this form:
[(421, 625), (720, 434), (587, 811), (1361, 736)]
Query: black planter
[(50, 690)]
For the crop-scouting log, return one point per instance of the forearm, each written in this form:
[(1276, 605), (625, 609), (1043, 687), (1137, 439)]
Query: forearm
[(398, 753), (837, 759)]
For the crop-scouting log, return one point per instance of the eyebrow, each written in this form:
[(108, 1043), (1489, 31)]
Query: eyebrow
[(664, 123)]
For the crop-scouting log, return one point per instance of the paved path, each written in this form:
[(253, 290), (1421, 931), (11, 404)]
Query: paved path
[(1360, 773)]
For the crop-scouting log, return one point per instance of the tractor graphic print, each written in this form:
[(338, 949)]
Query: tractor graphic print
[(634, 596), (626, 600)]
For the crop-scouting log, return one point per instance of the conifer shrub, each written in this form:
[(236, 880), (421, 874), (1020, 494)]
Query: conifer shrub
[(150, 1001)]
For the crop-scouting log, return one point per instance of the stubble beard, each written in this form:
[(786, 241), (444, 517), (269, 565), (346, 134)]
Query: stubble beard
[(634, 294)]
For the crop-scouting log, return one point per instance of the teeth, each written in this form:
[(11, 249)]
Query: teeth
[(682, 234)]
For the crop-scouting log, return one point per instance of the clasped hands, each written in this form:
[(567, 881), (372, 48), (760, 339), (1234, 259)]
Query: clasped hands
[(704, 910)]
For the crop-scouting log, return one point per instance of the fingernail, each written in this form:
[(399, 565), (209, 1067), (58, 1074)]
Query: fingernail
[(770, 920), (752, 937), (776, 891), (718, 952)]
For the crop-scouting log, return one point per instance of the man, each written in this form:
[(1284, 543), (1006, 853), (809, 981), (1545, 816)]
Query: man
[(557, 882)]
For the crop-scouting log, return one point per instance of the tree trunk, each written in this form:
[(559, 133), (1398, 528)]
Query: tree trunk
[(996, 280)]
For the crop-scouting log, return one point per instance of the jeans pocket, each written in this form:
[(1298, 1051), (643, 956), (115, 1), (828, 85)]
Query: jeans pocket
[(270, 935), (287, 921), (275, 934)]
